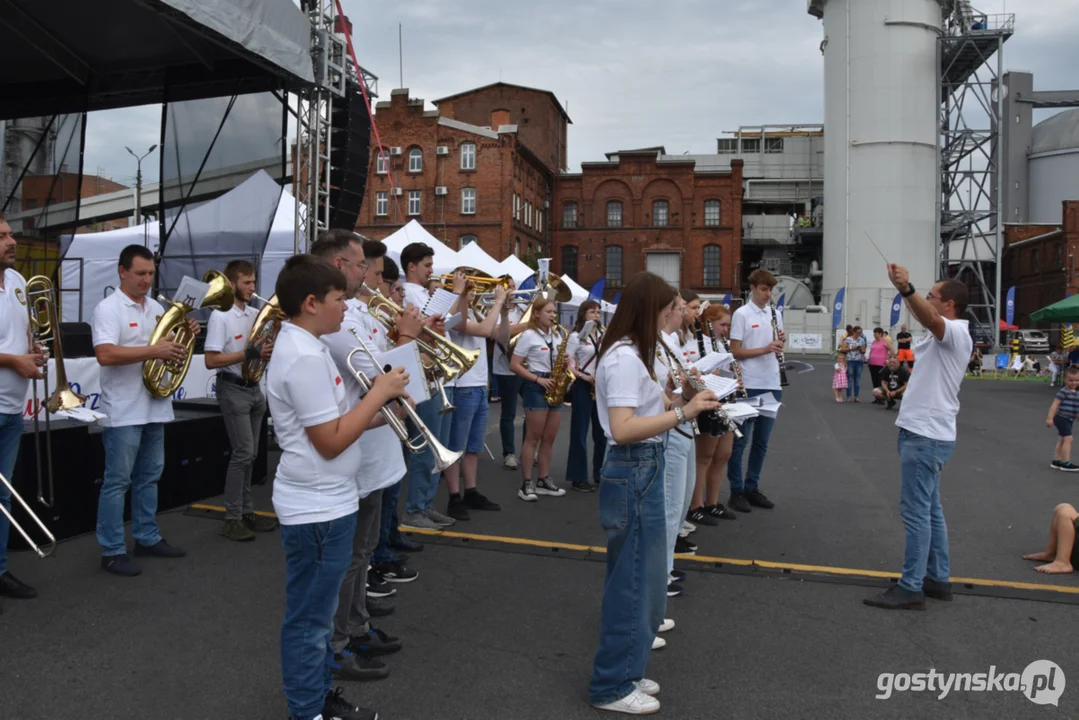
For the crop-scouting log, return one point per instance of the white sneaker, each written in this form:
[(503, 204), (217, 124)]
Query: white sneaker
[(510, 462), (648, 687), (688, 527), (658, 643), (636, 703), (666, 626)]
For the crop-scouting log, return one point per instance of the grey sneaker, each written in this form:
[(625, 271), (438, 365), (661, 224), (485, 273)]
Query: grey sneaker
[(418, 521), (510, 462), (545, 486), (528, 491), (443, 521)]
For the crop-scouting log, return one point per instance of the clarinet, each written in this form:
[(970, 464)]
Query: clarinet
[(700, 338), (719, 418), (671, 366), (737, 367), (783, 382)]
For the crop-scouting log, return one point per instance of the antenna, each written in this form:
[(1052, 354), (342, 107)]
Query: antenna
[(400, 57)]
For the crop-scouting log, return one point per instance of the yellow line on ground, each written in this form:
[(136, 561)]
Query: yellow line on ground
[(706, 559)]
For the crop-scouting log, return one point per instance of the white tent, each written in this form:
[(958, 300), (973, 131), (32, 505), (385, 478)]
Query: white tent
[(579, 293), (413, 232), (88, 271), (516, 269), (472, 255)]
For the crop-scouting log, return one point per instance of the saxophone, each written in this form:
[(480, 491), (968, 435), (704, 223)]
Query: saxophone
[(562, 376)]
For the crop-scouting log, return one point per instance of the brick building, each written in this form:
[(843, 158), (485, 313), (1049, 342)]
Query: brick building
[(41, 190), (1042, 262), (638, 212), (480, 168)]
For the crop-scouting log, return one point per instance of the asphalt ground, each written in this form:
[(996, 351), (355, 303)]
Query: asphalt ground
[(506, 628)]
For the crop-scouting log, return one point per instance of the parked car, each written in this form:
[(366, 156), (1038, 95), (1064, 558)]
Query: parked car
[(1030, 341), (982, 337)]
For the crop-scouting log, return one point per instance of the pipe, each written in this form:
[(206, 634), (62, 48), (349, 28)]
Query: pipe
[(998, 189), (846, 209)]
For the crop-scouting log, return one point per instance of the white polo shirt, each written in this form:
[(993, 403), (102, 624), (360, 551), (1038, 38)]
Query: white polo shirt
[(14, 340), (477, 374), (931, 401), (622, 380), (500, 362), (691, 349), (119, 320), (584, 352), (304, 389), (383, 460), (752, 325), (538, 349), (227, 333), (416, 295)]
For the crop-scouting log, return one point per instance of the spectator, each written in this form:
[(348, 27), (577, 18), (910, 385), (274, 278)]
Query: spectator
[(1061, 553), (855, 348), (893, 383), (1061, 416), (839, 379), (879, 352), (905, 353)]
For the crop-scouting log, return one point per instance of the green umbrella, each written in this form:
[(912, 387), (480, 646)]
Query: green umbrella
[(1067, 310)]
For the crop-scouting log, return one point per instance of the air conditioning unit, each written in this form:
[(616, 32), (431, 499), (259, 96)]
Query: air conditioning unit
[(395, 151), (546, 204), (442, 150), (442, 190), (398, 192)]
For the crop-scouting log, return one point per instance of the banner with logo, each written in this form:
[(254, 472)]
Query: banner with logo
[(897, 305), (837, 308), (1010, 307), (727, 301)]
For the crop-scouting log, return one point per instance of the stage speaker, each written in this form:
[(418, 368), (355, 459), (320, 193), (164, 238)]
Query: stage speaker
[(77, 340), (349, 157)]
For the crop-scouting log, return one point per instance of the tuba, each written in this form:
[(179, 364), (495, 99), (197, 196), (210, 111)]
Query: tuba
[(164, 377), (267, 325)]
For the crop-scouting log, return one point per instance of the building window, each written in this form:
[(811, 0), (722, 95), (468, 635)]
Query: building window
[(614, 214), (711, 266), (569, 215), (468, 201), (569, 261), (751, 145), (727, 146), (1035, 258), (468, 156), (614, 266), (517, 247), (516, 206), (660, 212), (528, 214), (466, 240), (380, 163), (773, 145), (1060, 256), (382, 203), (711, 213), (415, 160), (539, 221), (414, 202)]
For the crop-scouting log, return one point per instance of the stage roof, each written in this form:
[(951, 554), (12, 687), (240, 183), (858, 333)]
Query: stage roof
[(65, 56)]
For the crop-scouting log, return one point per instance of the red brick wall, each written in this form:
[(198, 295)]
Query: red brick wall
[(1042, 272)]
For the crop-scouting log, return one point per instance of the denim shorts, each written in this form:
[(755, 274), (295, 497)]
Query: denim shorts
[(534, 393), (468, 429), (1064, 428)]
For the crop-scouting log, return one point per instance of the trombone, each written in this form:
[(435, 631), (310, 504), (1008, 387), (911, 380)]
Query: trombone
[(25, 536), (443, 456)]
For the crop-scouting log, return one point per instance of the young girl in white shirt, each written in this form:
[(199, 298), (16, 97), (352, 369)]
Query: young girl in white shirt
[(538, 347), (582, 396), (632, 410)]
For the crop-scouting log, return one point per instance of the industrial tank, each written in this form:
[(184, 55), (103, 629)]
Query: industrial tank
[(881, 79), (1054, 166)]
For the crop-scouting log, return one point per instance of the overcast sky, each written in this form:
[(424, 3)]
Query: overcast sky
[(631, 73)]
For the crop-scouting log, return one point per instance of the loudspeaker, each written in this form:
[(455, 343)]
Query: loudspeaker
[(77, 340), (350, 154)]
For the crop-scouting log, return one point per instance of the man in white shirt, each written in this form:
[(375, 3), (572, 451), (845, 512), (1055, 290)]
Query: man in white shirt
[(927, 439), (243, 406), (753, 345), (19, 364), (134, 434)]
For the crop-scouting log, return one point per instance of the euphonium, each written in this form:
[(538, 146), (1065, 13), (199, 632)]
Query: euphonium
[(164, 377), (561, 375), (267, 325)]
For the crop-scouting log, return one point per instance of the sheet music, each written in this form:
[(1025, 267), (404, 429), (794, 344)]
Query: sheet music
[(408, 357), (712, 361), (453, 321), (440, 303), (721, 386), (80, 414), (740, 411), (769, 406), (191, 292)]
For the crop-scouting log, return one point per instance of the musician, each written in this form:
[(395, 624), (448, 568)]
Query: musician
[(538, 346), (242, 403), (417, 260), (315, 492), (19, 364), (509, 384), (754, 345), (468, 428), (134, 434), (393, 285), (582, 401), (632, 411), (690, 334)]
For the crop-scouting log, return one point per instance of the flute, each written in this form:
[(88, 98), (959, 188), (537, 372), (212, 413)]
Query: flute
[(698, 385)]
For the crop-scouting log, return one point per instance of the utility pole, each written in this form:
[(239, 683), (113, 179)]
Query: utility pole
[(138, 180)]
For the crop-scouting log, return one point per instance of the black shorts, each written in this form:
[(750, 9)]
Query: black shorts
[(1063, 425)]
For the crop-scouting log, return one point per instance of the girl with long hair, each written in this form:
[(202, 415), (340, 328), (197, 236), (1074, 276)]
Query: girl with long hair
[(582, 350), (538, 347), (633, 410), (687, 334)]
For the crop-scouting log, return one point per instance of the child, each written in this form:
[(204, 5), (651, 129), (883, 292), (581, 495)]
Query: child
[(1062, 414), (839, 380)]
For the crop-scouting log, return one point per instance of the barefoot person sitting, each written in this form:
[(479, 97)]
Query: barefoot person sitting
[(1061, 554)]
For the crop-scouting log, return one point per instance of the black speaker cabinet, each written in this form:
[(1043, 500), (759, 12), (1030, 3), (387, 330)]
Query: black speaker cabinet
[(349, 157), (77, 340)]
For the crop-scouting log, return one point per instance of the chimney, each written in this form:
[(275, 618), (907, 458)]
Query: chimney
[(499, 118)]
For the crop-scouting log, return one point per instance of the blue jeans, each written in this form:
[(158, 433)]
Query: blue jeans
[(316, 558), (761, 429), (509, 387), (134, 458), (631, 511), (854, 377), (422, 482), (468, 427), (920, 461), (387, 530), (10, 437), (583, 412), (679, 479)]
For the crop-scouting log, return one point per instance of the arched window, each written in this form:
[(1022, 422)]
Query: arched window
[(468, 156), (660, 213), (614, 213), (465, 240), (614, 265), (712, 265), (569, 261), (381, 162), (569, 215), (711, 213), (415, 160)]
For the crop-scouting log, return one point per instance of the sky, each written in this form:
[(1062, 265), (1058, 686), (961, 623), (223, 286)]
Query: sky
[(630, 73)]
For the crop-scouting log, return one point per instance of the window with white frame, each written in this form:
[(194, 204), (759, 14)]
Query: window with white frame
[(415, 160), (414, 201), (468, 201), (711, 213), (380, 163), (614, 214), (539, 221), (569, 215), (516, 206), (382, 203), (528, 214), (660, 213), (466, 240), (468, 156)]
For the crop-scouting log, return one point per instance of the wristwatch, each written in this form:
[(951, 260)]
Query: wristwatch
[(910, 291)]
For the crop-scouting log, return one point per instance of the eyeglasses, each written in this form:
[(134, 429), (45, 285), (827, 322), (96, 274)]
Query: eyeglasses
[(931, 296)]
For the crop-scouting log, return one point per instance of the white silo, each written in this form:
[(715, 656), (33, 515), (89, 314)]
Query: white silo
[(1054, 166), (881, 79)]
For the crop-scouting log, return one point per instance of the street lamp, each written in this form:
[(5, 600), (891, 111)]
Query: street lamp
[(138, 180)]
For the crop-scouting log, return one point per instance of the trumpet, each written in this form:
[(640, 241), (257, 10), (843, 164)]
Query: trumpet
[(516, 297), (267, 325), (19, 528), (444, 457), (480, 281)]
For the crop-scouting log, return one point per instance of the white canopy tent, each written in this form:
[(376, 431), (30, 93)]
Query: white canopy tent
[(472, 255), (413, 232), (579, 293), (516, 269)]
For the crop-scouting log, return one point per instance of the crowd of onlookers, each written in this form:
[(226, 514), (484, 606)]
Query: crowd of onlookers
[(890, 363)]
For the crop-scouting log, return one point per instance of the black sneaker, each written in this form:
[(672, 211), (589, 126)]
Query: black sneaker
[(678, 575), (159, 549), (673, 590), (406, 544), (757, 499), (395, 572), (1055, 464), (476, 500), (377, 587), (349, 665), (457, 509), (937, 590), (379, 608), (583, 486), (374, 643), (121, 565), (12, 587), (896, 598), (698, 516), (890, 405), (684, 547), (737, 501), (1067, 466), (337, 707), (720, 512)]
